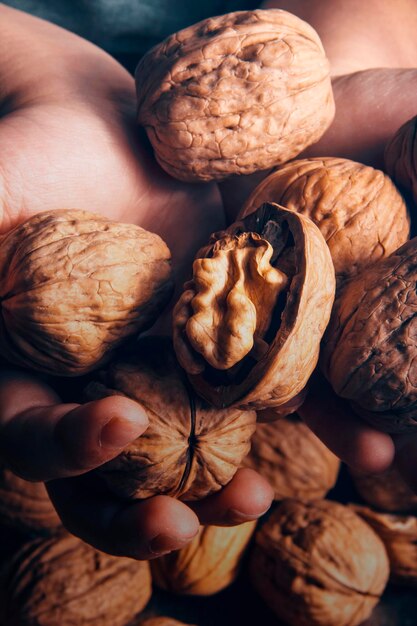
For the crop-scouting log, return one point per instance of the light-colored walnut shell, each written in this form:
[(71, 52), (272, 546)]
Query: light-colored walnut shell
[(286, 346), (208, 564), (234, 94), (74, 285), (189, 449), (358, 209), (400, 157), (63, 581), (387, 491), (293, 460), (318, 564)]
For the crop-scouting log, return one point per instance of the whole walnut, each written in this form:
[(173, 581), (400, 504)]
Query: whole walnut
[(357, 208), (248, 326), (74, 285), (189, 449), (400, 157), (369, 352), (208, 564), (293, 460), (63, 581), (25, 505), (318, 564), (234, 94), (399, 535), (387, 491), (161, 621)]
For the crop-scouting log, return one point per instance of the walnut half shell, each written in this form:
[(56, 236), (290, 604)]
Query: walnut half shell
[(248, 326)]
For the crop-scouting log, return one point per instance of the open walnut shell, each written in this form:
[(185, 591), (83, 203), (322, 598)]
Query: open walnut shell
[(234, 94), (189, 449), (387, 491), (248, 326), (318, 564), (358, 209)]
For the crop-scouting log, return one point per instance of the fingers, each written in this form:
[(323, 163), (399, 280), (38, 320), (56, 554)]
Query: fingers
[(406, 457), (245, 498), (41, 439)]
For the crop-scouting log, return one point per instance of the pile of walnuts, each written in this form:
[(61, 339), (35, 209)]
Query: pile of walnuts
[(317, 272)]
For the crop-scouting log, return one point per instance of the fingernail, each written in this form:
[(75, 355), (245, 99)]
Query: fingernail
[(238, 517), (163, 544), (118, 432)]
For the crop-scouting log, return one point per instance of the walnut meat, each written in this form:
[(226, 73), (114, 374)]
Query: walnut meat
[(357, 208), (189, 449), (369, 355), (318, 564), (248, 326), (293, 460), (64, 581), (25, 505), (387, 491), (400, 157), (234, 94), (74, 285), (208, 564)]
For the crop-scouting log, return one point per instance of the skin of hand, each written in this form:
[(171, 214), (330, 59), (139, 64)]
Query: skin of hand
[(69, 140)]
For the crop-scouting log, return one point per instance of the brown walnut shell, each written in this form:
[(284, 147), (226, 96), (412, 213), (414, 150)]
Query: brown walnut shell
[(248, 326), (318, 564), (234, 94), (189, 449), (359, 211), (25, 505), (208, 564), (74, 285), (161, 621), (65, 581), (293, 460), (400, 157), (369, 352), (387, 491)]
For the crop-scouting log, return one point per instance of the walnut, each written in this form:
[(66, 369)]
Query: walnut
[(387, 491), (357, 208), (234, 94), (161, 621), (189, 449), (208, 564), (248, 326), (26, 506), (74, 285), (400, 157), (399, 535), (369, 353), (318, 564), (64, 581), (293, 460)]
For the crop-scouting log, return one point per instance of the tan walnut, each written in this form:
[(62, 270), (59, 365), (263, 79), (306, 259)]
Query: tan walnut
[(387, 491), (293, 460), (358, 209), (369, 353), (25, 505), (207, 564), (234, 94), (400, 157), (74, 285), (190, 449), (64, 581), (248, 326), (318, 564), (399, 535)]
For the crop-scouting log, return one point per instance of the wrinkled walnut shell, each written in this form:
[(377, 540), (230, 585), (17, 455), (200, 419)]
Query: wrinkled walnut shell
[(234, 94), (208, 564), (227, 295), (387, 491), (318, 564), (189, 449), (400, 157), (293, 460), (369, 352), (74, 285), (357, 208), (63, 581)]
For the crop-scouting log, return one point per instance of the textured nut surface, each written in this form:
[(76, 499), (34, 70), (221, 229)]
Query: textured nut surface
[(25, 505), (73, 285), (234, 94), (293, 460), (357, 208), (318, 564), (64, 581), (189, 448), (207, 564), (400, 157), (220, 310), (387, 491), (369, 352)]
